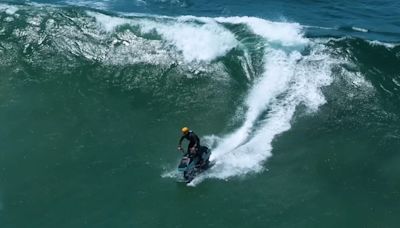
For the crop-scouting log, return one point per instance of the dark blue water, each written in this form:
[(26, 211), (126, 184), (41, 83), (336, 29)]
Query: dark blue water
[(380, 18)]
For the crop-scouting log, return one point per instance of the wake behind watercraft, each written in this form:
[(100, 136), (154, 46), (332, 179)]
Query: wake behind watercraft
[(191, 166)]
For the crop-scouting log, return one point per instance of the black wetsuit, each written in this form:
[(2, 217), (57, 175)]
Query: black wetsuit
[(194, 141)]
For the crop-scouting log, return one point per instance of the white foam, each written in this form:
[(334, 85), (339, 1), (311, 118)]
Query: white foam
[(287, 34), (288, 81), (196, 42), (8, 19), (8, 9), (319, 27), (273, 82), (171, 174), (109, 23), (358, 29), (380, 43)]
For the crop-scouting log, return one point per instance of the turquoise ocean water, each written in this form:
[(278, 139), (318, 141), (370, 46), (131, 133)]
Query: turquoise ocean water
[(298, 100)]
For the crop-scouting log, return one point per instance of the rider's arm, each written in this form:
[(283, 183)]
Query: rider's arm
[(180, 141)]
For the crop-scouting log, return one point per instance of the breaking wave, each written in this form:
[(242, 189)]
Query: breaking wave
[(290, 77), (284, 71)]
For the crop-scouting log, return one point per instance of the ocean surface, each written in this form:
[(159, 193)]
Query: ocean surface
[(298, 100)]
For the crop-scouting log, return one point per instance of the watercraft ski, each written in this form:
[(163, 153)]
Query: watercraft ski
[(190, 167)]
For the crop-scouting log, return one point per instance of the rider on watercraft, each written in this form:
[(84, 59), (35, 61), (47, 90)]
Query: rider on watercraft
[(194, 141)]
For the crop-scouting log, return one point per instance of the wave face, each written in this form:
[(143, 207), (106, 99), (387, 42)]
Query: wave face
[(283, 72)]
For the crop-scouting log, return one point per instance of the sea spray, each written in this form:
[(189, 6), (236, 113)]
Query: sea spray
[(289, 80)]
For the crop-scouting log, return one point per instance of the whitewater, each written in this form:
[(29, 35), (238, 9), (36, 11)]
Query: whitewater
[(293, 69), (289, 80)]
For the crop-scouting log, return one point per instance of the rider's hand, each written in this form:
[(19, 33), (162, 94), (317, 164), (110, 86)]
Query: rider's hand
[(179, 148)]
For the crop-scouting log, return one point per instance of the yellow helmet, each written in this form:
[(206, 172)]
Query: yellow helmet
[(185, 130)]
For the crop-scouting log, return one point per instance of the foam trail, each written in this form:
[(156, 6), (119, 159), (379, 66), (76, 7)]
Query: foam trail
[(268, 87), (242, 152), (171, 174), (273, 82), (289, 79)]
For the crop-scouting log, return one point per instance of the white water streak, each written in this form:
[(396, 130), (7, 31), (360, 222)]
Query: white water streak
[(289, 79)]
